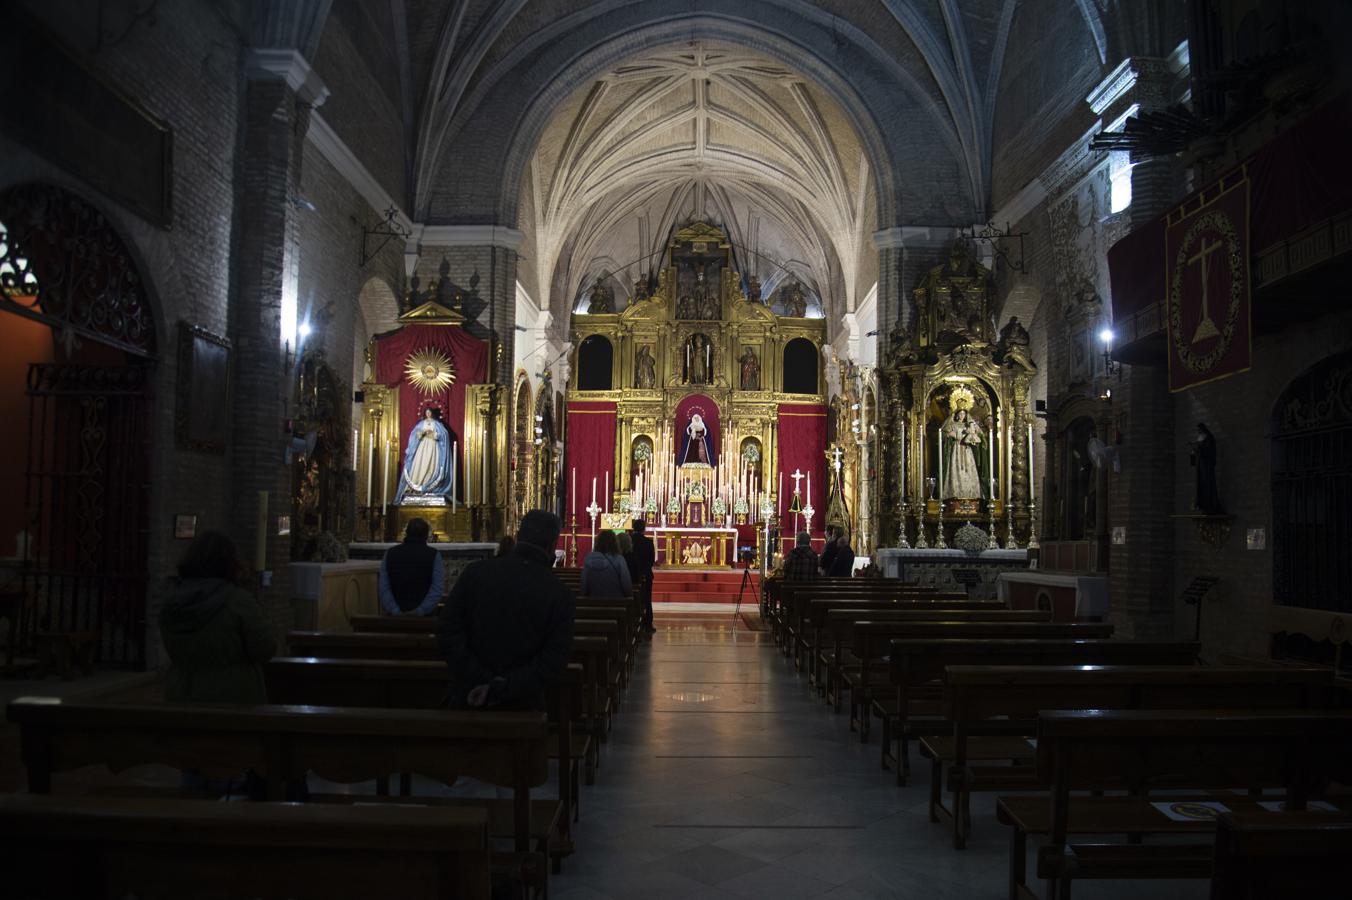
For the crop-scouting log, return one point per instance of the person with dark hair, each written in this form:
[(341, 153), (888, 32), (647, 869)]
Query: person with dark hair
[(802, 562), (412, 574), (214, 632), (842, 563), (644, 558), (830, 548), (507, 629), (604, 571)]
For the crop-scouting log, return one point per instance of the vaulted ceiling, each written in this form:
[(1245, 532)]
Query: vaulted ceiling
[(698, 132)]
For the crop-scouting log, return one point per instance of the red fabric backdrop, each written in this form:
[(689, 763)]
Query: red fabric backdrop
[(591, 454), (802, 447), (708, 409), (468, 354)]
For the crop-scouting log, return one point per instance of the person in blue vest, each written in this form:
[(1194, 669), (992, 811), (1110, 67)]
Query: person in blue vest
[(412, 574)]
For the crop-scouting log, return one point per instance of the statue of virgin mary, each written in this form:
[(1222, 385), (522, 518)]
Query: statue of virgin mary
[(427, 461), (696, 449), (962, 439)]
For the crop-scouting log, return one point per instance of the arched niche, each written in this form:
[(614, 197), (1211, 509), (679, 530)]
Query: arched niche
[(801, 367), (751, 461), (1077, 508), (982, 404), (595, 364)]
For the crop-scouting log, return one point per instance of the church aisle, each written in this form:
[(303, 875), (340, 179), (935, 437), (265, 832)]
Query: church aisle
[(724, 777)]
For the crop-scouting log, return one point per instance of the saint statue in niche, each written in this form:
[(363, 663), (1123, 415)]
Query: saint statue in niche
[(962, 438), (427, 461), (750, 370), (1207, 498), (795, 301), (699, 360), (645, 368), (696, 448)]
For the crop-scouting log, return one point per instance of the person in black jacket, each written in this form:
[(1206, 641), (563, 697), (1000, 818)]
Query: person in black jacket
[(842, 564), (507, 628), (830, 548), (411, 574), (644, 558)]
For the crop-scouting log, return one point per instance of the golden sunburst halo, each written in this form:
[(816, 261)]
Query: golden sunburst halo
[(429, 371), (961, 398)]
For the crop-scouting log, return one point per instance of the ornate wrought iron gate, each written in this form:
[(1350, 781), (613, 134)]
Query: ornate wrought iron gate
[(87, 493)]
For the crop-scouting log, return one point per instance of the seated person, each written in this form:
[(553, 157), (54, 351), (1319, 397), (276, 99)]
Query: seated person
[(802, 562), (412, 574), (605, 572)]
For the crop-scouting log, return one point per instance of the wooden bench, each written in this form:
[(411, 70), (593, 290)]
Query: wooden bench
[(917, 666), (1282, 855), (283, 744), (796, 602), (1165, 757), (112, 847), (994, 710), (783, 596), (834, 625), (871, 645), (393, 684)]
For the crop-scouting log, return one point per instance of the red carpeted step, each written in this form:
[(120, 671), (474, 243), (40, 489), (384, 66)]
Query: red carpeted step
[(703, 586)]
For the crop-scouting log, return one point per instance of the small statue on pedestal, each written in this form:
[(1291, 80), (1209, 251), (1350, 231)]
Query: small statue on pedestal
[(1203, 458)]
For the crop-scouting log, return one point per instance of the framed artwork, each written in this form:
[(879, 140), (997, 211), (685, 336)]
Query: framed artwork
[(202, 411), (185, 527)]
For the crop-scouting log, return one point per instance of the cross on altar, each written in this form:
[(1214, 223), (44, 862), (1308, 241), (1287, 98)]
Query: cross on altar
[(1205, 328), (836, 454), (797, 476)]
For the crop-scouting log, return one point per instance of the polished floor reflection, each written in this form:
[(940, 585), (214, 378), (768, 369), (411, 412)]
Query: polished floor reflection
[(725, 777)]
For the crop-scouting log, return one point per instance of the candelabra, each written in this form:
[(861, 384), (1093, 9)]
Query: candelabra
[(1032, 526), (807, 513), (572, 539), (939, 542), (1011, 542), (593, 511), (901, 528)]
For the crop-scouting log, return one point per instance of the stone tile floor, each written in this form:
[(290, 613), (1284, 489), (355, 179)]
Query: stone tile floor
[(725, 777)]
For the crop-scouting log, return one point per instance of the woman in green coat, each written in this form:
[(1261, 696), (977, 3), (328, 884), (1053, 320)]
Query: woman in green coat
[(213, 630)]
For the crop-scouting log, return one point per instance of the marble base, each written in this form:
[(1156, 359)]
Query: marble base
[(934, 568)]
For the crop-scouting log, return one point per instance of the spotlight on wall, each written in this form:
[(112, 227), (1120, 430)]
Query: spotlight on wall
[(304, 330), (1110, 365)]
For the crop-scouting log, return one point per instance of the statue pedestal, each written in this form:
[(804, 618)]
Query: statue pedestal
[(447, 524)]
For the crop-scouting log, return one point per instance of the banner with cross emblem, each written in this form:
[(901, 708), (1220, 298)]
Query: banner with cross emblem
[(1208, 291)]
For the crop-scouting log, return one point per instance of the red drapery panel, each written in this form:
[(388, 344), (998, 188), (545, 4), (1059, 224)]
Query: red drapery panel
[(802, 447), (591, 454), (708, 410), (468, 354), (1296, 181)]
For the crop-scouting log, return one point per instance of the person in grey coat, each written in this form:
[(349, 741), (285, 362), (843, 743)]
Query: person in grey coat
[(605, 573)]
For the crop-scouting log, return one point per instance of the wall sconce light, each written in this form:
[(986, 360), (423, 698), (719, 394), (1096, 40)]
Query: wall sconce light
[(1110, 365)]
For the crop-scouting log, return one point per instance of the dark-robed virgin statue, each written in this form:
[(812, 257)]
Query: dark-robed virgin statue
[(696, 448)]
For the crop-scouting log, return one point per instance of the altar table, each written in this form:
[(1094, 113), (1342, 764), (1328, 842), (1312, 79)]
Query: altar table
[(679, 547)]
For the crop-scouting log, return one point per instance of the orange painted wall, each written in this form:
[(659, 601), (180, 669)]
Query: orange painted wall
[(21, 342)]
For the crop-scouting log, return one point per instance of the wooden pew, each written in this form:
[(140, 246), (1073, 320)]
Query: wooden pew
[(832, 623), (994, 710), (113, 847), (393, 684), (1155, 755), (871, 644), (1281, 855), (918, 664), (784, 597), (284, 743), (797, 597)]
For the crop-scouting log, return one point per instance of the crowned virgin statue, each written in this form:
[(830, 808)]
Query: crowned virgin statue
[(427, 461), (696, 448), (963, 437)]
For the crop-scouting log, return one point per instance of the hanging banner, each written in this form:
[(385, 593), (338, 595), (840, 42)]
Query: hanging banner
[(1208, 302)]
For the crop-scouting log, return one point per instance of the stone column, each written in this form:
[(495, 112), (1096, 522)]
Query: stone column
[(278, 98), (481, 262)]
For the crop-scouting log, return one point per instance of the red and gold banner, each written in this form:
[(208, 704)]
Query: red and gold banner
[(802, 448), (591, 455), (1207, 298)]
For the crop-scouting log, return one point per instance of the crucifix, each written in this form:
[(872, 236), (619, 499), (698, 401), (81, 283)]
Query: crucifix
[(797, 476), (836, 454), (593, 511), (1205, 328)]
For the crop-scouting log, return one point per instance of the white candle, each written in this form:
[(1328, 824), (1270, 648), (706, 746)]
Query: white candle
[(356, 446), (903, 458), (593, 503), (809, 488), (1030, 462), (572, 497), (781, 490), (606, 495), (385, 477), (486, 498), (941, 464), (455, 450), (990, 462)]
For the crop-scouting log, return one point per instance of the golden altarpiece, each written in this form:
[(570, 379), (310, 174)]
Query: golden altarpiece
[(959, 426), (425, 362), (691, 350)]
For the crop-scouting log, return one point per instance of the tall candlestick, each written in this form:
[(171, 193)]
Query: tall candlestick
[(385, 477), (356, 446), (941, 469), (990, 463), (780, 498), (903, 460), (370, 468), (809, 488), (1030, 462), (572, 497), (593, 503), (606, 495), (455, 452)]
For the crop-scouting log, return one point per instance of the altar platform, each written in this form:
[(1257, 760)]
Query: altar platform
[(937, 568)]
